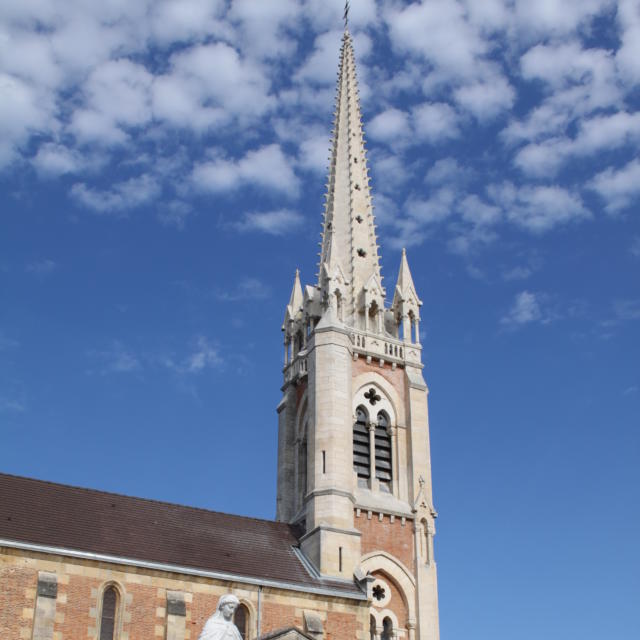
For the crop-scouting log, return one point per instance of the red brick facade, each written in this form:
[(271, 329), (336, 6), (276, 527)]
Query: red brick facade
[(394, 537)]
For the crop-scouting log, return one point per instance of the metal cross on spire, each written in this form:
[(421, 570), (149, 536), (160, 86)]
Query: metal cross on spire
[(346, 14)]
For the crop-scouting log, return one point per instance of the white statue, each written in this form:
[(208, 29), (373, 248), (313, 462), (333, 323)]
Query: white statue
[(220, 625)]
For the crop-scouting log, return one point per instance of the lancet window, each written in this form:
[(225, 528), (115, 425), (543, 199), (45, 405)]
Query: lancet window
[(108, 613), (241, 620), (383, 452), (361, 452)]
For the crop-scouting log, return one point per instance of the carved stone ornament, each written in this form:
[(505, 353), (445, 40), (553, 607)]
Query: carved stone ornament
[(220, 625)]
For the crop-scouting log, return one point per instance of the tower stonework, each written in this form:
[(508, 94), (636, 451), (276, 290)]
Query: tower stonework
[(354, 467)]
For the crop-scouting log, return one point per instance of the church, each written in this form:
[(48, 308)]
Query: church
[(350, 553)]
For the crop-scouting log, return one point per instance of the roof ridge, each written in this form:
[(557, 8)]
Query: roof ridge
[(150, 500)]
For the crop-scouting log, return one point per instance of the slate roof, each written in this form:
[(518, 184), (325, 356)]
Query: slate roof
[(56, 515)]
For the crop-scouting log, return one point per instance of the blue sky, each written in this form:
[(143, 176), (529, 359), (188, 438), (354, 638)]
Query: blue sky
[(162, 168)]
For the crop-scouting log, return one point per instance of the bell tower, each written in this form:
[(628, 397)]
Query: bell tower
[(354, 466)]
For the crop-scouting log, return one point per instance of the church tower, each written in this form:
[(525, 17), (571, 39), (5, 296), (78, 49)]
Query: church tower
[(354, 467)]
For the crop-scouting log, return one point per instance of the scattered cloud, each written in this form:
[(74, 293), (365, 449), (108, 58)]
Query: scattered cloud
[(634, 249), (538, 208), (115, 359), (13, 403), (203, 356), (517, 273), (618, 187), (524, 310), (276, 222), (246, 289), (266, 167), (41, 268), (122, 196)]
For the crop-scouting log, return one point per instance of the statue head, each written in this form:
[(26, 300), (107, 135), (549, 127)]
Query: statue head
[(227, 606)]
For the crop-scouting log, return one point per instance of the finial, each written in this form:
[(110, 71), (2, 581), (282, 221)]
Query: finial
[(346, 15)]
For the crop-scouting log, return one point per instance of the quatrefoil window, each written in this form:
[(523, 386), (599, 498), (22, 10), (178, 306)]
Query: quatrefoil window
[(362, 253), (372, 396), (378, 592)]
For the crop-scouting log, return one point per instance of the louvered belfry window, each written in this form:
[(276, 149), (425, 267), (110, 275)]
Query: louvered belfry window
[(361, 454), (108, 617), (383, 452)]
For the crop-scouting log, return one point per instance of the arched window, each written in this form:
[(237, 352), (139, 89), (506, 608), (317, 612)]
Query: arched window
[(241, 619), (387, 629), (361, 454), (383, 452), (108, 613), (372, 628)]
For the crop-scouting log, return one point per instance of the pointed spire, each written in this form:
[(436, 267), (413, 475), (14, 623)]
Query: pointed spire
[(349, 243), (295, 300), (405, 281), (405, 292)]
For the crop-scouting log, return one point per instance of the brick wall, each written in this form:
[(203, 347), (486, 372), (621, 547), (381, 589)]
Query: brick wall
[(17, 598), (392, 537), (143, 603)]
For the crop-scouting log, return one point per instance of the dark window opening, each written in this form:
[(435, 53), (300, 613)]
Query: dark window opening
[(241, 620), (378, 592), (387, 629), (383, 453), (361, 453), (108, 617)]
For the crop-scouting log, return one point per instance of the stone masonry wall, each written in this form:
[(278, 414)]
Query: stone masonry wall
[(143, 604)]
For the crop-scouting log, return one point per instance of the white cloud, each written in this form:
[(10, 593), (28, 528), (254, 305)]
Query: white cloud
[(435, 121), (128, 194), (554, 18), (634, 249), (267, 167), (478, 212), (313, 153), (517, 273), (210, 84), (436, 208), (524, 310), (618, 187), (445, 170), (23, 112), (204, 356), (538, 208), (186, 20), (276, 222), (628, 56), (320, 67), (486, 99), (246, 289), (262, 26), (439, 32), (391, 125), (56, 159)]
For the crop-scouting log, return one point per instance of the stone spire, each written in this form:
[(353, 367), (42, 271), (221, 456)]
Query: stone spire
[(295, 299), (349, 261), (406, 303), (405, 284)]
